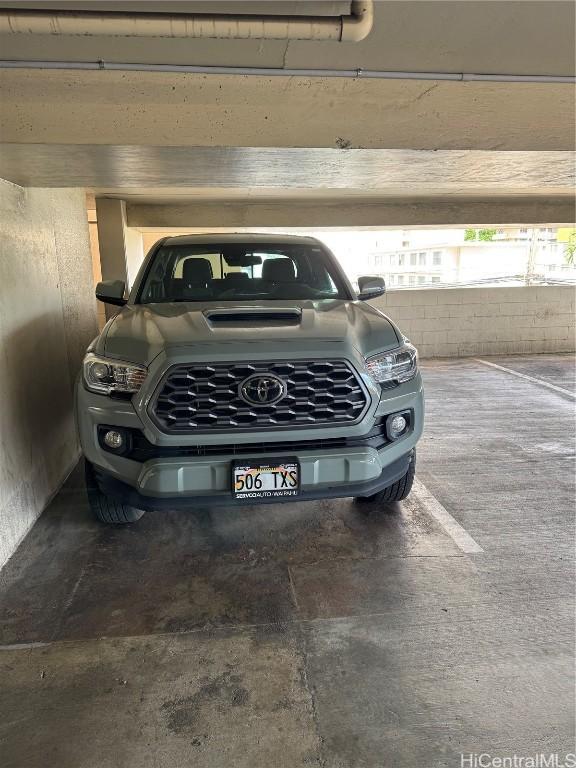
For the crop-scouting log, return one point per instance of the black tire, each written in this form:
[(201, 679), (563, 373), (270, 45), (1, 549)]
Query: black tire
[(397, 491), (106, 509)]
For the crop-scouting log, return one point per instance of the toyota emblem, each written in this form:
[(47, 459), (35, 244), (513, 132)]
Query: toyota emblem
[(262, 389)]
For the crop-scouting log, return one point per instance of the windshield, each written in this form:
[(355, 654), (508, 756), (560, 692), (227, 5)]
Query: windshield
[(240, 271)]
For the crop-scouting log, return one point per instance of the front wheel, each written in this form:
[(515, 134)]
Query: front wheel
[(398, 490), (106, 509)]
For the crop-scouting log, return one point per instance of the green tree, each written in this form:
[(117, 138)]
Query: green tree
[(480, 234), (570, 250), (486, 234)]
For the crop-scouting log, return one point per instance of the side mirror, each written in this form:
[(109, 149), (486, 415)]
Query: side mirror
[(111, 292), (370, 287)]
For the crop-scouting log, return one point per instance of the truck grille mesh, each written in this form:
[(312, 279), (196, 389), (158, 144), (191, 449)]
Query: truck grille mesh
[(206, 396)]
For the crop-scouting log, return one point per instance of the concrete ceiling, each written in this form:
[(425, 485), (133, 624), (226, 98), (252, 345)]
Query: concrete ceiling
[(309, 150), (177, 109), (524, 37)]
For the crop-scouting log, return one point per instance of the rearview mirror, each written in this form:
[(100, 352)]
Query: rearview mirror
[(111, 292), (369, 287), (242, 259)]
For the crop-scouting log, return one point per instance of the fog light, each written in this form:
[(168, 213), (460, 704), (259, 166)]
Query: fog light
[(113, 439), (396, 426)]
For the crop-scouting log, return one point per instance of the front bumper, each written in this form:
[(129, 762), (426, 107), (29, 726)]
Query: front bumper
[(183, 481), (134, 498)]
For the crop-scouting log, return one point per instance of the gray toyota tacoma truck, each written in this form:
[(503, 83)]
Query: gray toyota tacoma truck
[(245, 369)]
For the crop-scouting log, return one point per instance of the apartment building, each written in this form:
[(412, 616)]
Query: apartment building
[(461, 256)]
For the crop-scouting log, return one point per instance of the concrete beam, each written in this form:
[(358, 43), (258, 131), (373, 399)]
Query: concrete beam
[(365, 172), (155, 108), (354, 213)]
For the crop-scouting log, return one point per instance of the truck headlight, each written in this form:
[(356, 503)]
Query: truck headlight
[(399, 365), (106, 376)]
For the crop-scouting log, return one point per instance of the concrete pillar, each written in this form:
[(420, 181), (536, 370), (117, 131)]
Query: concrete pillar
[(121, 248)]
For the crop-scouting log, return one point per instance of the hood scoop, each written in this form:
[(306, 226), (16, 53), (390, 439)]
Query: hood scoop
[(254, 316)]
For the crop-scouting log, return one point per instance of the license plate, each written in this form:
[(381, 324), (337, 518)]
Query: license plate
[(254, 480)]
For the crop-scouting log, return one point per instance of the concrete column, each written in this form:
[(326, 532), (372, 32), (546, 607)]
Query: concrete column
[(121, 249), (134, 242)]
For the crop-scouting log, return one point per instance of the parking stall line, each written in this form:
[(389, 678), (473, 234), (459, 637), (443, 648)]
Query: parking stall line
[(432, 506), (541, 382)]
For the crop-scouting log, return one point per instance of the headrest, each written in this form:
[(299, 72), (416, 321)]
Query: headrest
[(196, 271), (236, 277), (278, 270)]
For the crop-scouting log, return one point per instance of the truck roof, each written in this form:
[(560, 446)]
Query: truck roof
[(240, 237)]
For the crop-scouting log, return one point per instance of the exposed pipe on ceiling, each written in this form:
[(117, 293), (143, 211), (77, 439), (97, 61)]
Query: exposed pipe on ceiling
[(280, 72), (352, 28)]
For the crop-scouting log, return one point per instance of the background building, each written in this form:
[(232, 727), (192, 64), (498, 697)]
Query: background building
[(434, 257)]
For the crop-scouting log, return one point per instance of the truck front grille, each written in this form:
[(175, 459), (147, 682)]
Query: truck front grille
[(206, 396)]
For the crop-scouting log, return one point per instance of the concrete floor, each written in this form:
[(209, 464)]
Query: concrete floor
[(317, 634)]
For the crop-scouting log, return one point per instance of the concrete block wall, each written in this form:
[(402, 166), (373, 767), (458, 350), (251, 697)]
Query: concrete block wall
[(47, 318), (460, 322)]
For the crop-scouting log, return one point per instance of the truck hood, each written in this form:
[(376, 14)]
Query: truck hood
[(140, 332)]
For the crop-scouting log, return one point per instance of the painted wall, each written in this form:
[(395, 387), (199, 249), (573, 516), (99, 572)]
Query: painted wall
[(457, 322), (47, 318)]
